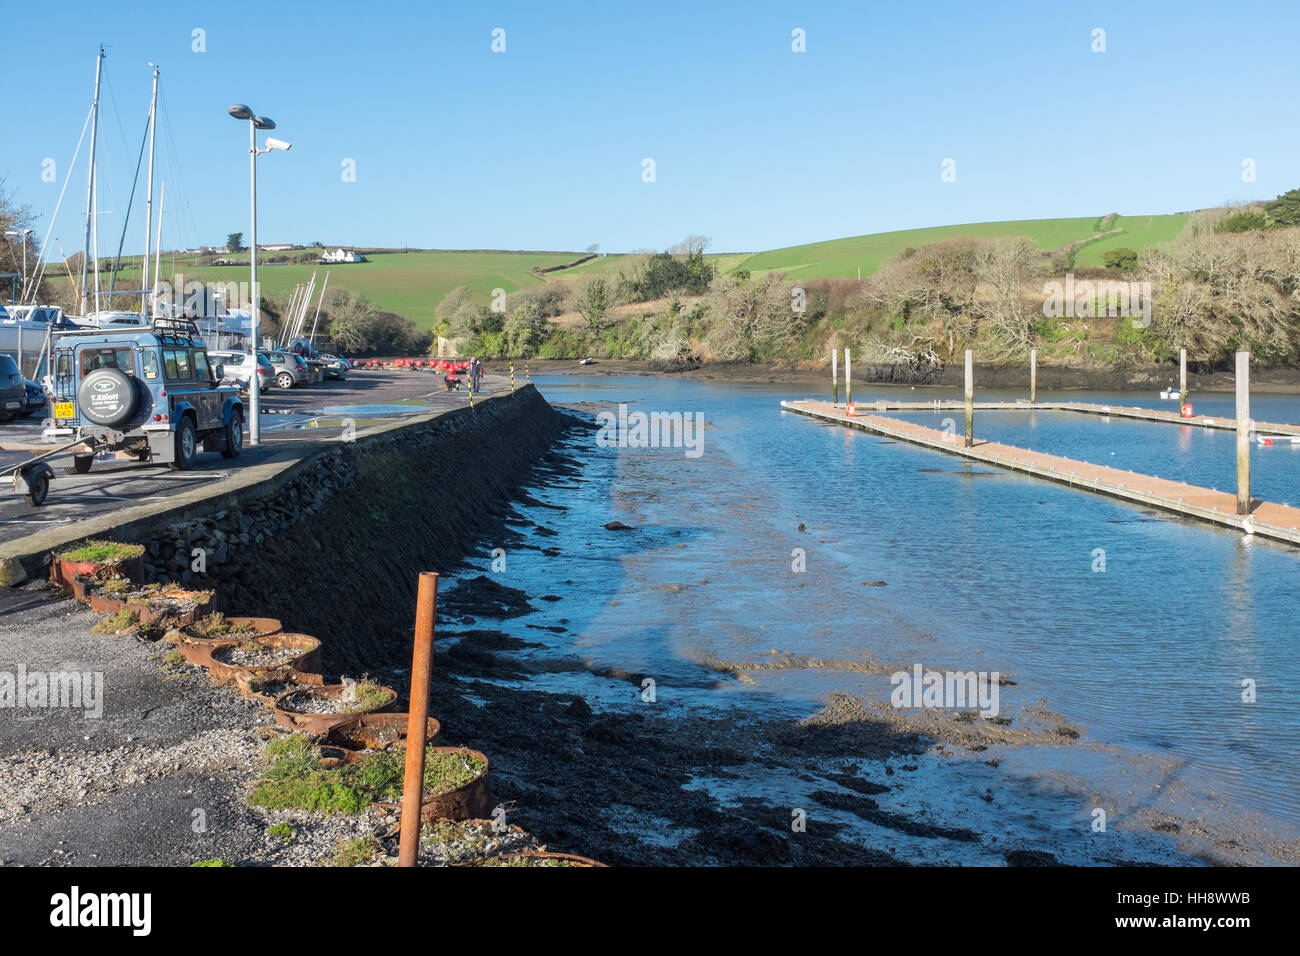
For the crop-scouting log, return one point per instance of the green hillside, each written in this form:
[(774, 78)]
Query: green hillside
[(1140, 232), (843, 257), (412, 283), (408, 283)]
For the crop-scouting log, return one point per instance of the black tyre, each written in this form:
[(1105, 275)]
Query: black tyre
[(284, 380), (234, 442), (187, 444), (107, 396), (38, 487)]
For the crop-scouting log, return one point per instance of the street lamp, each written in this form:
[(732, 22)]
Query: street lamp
[(23, 233), (241, 112)]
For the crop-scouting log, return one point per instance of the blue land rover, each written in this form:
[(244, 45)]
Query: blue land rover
[(149, 392)]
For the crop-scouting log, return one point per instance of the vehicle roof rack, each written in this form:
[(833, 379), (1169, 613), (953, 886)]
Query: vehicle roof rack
[(185, 324)]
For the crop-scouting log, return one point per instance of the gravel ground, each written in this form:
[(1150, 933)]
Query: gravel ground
[(159, 778)]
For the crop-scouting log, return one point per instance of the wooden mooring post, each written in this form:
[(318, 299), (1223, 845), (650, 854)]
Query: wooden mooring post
[(848, 378), (970, 398), (1243, 433), (835, 376), (1033, 376), (1182, 378)]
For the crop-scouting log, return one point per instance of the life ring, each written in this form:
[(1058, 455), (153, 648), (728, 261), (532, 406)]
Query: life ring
[(850, 409), (1187, 410)]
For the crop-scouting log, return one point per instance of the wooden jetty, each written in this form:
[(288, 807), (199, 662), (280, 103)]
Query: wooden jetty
[(1224, 422), (1266, 519)]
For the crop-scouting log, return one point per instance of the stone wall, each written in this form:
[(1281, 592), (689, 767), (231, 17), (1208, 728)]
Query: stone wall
[(336, 551)]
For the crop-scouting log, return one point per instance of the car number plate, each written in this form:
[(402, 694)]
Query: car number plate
[(64, 410), (13, 404)]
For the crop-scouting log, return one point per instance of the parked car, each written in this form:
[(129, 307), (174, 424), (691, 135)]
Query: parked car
[(335, 366), (36, 398), (290, 369), (152, 393), (13, 394), (236, 368)]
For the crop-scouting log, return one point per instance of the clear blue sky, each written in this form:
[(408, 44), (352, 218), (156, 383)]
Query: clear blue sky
[(541, 147)]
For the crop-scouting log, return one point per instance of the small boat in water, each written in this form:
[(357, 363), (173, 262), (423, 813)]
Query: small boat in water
[(1170, 394), (1278, 439)]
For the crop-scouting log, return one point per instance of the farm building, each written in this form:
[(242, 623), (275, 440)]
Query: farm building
[(342, 255)]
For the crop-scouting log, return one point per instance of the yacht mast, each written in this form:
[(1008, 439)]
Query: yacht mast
[(148, 203), (90, 182)]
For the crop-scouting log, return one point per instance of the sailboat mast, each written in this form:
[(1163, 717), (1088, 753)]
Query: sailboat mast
[(157, 252), (90, 180), (148, 203)]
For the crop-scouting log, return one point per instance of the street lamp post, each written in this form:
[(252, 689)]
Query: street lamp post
[(255, 122)]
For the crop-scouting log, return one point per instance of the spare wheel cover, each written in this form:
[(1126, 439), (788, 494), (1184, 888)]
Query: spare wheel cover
[(107, 396)]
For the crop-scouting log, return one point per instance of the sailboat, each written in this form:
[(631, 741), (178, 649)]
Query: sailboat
[(29, 329)]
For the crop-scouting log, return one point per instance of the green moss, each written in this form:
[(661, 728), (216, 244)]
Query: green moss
[(355, 852), (173, 658), (370, 697), (217, 624), (103, 552), (282, 831), (213, 862), (295, 778), (113, 623)]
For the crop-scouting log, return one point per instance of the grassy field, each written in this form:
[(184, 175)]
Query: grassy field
[(412, 283), (408, 283), (1140, 232)]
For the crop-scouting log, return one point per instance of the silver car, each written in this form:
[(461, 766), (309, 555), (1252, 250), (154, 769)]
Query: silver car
[(290, 369), (236, 368)]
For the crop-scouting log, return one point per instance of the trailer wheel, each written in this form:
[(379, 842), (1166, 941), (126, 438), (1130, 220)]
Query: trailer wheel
[(37, 482), (38, 490)]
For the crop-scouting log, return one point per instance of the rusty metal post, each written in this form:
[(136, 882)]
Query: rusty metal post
[(970, 398), (1033, 376), (426, 609), (1243, 433)]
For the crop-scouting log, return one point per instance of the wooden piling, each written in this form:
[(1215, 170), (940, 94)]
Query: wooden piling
[(1033, 376), (848, 376), (1243, 433), (970, 398), (835, 376), (1182, 378)]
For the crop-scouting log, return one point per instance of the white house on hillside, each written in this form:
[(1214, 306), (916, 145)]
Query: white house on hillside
[(342, 255)]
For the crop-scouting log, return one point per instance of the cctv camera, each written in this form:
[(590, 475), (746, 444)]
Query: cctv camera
[(274, 143)]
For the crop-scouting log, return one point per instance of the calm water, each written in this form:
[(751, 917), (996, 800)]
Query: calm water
[(984, 570)]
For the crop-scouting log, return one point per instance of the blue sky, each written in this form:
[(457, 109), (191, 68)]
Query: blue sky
[(541, 147)]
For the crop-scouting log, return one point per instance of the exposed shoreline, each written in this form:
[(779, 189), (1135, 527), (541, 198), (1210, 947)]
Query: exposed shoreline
[(602, 781)]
